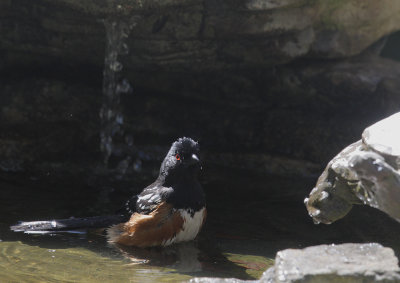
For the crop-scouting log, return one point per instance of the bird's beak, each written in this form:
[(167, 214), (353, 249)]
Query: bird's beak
[(193, 161), (195, 158), (196, 161)]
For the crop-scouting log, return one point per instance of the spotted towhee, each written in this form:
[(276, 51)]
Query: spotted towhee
[(170, 210)]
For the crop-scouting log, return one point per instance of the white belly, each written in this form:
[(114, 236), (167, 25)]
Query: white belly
[(191, 227)]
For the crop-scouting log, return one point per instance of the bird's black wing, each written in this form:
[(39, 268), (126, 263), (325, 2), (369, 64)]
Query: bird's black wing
[(151, 197), (130, 206)]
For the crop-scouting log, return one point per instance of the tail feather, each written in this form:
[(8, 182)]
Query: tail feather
[(114, 232), (68, 224)]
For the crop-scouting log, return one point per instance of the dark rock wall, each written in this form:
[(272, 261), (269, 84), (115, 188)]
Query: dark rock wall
[(259, 83), (46, 120)]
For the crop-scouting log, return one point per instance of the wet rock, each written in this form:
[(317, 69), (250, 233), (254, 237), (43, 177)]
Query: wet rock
[(379, 168), (194, 35), (366, 172), (380, 182), (335, 263), (333, 196)]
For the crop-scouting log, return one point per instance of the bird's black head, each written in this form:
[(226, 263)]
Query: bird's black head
[(182, 158)]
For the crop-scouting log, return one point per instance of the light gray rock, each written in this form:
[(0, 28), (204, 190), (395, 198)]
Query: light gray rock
[(335, 263), (334, 194), (367, 171), (384, 136), (378, 168)]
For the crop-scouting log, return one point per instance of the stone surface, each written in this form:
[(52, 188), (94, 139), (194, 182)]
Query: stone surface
[(227, 73), (383, 136), (194, 35), (335, 263), (44, 121), (273, 121), (366, 172), (379, 184), (333, 196)]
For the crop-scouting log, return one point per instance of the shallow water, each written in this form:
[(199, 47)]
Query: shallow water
[(250, 218)]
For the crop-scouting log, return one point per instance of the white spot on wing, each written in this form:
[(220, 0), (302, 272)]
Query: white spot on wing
[(154, 198), (145, 197)]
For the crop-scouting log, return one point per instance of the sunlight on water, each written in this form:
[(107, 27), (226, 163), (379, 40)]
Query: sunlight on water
[(21, 262), (254, 265)]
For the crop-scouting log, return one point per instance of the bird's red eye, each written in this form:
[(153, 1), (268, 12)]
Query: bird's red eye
[(178, 157)]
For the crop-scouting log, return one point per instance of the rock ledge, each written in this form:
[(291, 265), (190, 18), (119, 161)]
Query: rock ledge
[(335, 263)]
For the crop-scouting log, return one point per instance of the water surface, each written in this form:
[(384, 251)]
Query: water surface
[(250, 218)]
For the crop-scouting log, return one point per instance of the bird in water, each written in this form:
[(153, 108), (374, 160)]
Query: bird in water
[(170, 210)]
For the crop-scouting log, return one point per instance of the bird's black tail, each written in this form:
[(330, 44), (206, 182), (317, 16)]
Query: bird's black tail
[(59, 225)]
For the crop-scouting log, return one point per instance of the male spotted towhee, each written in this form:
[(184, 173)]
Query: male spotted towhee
[(170, 210)]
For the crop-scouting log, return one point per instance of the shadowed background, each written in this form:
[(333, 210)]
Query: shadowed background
[(272, 90)]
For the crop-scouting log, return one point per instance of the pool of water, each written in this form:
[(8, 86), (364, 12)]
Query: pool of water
[(250, 218)]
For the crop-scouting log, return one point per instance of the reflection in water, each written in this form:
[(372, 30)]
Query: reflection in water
[(183, 257), (196, 258)]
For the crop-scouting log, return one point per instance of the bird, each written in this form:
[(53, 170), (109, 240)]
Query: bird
[(170, 210)]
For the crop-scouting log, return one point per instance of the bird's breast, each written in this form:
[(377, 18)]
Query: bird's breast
[(192, 223)]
